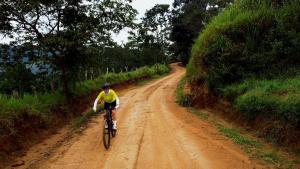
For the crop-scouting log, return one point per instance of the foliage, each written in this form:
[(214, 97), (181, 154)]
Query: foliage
[(249, 39), (13, 108), (180, 90), (16, 78), (189, 17), (276, 98), (249, 54), (182, 98), (117, 78), (151, 36), (83, 119), (62, 30), (156, 21), (254, 147), (237, 137)]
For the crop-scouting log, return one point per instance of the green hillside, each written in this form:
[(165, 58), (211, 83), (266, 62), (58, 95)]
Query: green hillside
[(250, 55)]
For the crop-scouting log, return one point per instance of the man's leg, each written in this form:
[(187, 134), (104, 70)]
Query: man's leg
[(114, 119)]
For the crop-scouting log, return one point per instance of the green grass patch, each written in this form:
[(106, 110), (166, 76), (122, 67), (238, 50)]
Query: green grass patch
[(256, 149), (270, 157), (180, 90), (238, 138), (145, 72), (83, 119), (277, 98), (249, 54), (200, 114), (182, 98), (273, 157)]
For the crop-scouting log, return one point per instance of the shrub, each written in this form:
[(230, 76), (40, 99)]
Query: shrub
[(250, 55), (249, 39), (277, 98)]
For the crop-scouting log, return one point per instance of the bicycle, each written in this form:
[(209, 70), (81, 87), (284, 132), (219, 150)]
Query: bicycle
[(108, 131)]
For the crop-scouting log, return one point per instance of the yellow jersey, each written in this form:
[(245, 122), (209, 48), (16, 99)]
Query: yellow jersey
[(110, 97)]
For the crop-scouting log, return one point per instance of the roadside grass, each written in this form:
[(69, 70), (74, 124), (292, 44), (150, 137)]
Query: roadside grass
[(238, 138), (254, 147), (83, 119), (200, 114), (278, 98), (183, 99), (145, 72), (39, 106), (180, 91), (257, 149)]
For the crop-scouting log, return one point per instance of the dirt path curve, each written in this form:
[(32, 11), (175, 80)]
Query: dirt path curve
[(154, 132)]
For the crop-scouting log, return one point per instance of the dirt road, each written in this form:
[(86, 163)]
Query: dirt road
[(154, 132)]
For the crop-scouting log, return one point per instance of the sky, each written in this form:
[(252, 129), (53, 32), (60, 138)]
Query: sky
[(140, 5)]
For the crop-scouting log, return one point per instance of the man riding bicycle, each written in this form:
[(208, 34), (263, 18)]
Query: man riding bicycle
[(111, 101)]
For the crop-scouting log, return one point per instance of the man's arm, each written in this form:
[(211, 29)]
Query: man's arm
[(117, 102), (96, 101), (95, 105), (117, 98)]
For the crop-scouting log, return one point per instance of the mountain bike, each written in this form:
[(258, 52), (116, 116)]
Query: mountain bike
[(108, 132)]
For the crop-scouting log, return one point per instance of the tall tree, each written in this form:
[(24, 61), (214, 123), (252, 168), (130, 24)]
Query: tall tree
[(15, 75), (189, 18), (152, 34), (63, 29), (157, 21)]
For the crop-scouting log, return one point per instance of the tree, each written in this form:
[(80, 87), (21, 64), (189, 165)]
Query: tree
[(189, 18), (62, 30), (15, 75), (152, 34), (156, 21)]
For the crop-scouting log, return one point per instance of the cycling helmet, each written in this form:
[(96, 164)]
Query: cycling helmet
[(105, 86)]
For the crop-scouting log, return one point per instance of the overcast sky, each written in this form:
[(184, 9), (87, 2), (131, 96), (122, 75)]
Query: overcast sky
[(140, 5)]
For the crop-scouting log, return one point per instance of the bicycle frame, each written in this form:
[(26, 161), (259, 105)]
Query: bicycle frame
[(108, 118)]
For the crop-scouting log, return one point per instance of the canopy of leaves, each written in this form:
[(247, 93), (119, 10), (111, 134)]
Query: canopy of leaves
[(189, 18), (60, 31)]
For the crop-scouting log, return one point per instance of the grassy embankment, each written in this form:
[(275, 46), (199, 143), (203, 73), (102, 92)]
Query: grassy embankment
[(249, 54), (256, 148), (15, 111)]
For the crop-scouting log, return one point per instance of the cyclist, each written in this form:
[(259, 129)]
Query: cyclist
[(111, 100)]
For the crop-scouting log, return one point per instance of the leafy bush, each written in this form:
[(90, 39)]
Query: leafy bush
[(117, 78), (249, 39), (15, 108), (182, 98), (275, 98), (250, 55)]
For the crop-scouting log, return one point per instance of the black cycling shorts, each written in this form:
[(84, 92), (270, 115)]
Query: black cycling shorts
[(110, 105)]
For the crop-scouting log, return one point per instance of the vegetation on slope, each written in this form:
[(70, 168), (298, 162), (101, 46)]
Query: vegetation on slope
[(250, 55)]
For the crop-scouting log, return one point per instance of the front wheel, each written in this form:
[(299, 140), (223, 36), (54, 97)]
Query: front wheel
[(106, 138)]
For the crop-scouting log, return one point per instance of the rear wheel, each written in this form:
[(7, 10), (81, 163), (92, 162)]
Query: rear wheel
[(106, 138)]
